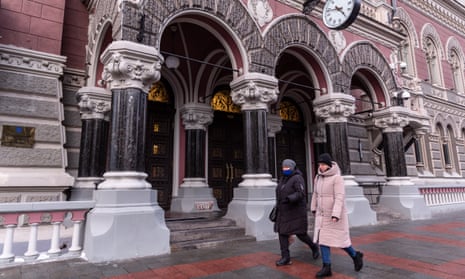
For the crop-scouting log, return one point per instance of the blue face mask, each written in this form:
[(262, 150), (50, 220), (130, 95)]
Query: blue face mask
[(287, 172)]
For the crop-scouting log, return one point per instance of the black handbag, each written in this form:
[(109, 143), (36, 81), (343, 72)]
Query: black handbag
[(273, 214)]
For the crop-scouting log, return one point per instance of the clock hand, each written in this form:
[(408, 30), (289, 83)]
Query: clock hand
[(339, 9)]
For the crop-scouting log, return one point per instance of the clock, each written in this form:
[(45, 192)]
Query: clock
[(339, 14)]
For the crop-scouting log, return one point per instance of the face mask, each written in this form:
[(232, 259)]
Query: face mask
[(287, 172)]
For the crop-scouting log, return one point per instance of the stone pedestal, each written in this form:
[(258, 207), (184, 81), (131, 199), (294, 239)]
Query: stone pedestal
[(402, 196), (357, 205), (125, 224), (194, 196), (250, 209)]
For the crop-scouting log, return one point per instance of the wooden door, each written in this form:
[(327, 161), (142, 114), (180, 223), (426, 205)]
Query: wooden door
[(225, 155), (159, 150)]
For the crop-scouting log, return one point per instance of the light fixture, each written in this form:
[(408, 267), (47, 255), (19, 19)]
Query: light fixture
[(172, 62)]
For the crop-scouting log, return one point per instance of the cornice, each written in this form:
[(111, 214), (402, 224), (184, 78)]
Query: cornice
[(31, 61), (446, 12)]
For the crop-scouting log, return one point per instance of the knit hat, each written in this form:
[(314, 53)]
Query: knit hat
[(326, 159), (289, 163)]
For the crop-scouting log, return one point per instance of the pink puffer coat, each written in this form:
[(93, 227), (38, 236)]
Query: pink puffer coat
[(328, 200)]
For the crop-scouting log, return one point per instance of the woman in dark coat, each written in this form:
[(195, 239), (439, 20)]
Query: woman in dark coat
[(292, 211)]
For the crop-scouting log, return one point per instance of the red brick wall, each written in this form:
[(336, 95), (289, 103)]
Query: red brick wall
[(32, 24), (75, 34)]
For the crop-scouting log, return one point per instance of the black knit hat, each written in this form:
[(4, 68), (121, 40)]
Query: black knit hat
[(326, 159)]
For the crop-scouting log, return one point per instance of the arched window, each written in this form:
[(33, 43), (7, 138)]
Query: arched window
[(456, 63), (406, 53), (433, 61)]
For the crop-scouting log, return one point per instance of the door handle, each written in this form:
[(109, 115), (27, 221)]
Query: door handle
[(227, 172)]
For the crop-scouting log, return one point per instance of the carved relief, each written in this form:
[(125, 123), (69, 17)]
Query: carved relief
[(261, 11)]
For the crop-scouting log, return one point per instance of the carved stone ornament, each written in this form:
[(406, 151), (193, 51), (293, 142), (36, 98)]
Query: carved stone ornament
[(196, 116), (131, 65), (254, 91), (94, 103), (392, 119), (275, 124), (261, 11), (335, 107), (337, 39)]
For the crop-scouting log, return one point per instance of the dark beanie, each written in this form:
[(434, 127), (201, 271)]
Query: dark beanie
[(289, 163), (326, 159)]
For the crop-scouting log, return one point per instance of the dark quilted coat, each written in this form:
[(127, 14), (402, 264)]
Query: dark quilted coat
[(292, 209)]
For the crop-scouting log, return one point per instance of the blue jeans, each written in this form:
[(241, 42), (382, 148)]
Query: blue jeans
[(326, 253)]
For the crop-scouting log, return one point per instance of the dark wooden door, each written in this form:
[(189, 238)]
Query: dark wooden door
[(225, 155), (159, 150), (290, 143)]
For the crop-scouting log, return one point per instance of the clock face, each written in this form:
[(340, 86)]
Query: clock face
[(339, 14)]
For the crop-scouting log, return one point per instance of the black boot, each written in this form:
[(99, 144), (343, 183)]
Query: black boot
[(315, 251), (283, 261), (358, 261), (325, 271)]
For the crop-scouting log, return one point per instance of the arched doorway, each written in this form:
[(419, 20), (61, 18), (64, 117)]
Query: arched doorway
[(225, 148), (159, 141), (290, 141)]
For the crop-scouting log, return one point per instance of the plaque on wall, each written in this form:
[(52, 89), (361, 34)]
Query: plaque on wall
[(18, 136)]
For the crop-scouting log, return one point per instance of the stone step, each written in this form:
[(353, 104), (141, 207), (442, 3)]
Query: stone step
[(196, 233)]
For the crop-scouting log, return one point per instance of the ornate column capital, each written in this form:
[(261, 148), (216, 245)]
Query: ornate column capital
[(275, 123), (196, 116), (392, 119), (94, 103), (254, 91), (334, 107), (131, 65)]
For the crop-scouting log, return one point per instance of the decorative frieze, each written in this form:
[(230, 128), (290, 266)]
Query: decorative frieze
[(131, 65), (254, 91), (30, 61), (196, 116)]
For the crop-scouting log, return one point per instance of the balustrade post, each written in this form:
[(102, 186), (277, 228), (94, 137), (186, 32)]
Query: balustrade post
[(7, 254), (32, 253), (78, 219)]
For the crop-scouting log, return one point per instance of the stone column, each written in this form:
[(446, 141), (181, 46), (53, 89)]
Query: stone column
[(335, 109), (275, 124), (255, 196), (94, 103), (125, 200), (400, 194), (194, 195)]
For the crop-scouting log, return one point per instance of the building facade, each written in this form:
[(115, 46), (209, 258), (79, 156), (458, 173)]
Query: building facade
[(201, 101)]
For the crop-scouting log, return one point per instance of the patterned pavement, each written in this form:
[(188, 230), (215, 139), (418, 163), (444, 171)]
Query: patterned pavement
[(423, 249)]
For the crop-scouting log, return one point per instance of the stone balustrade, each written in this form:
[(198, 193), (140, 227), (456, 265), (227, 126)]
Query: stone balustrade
[(26, 220), (443, 195)]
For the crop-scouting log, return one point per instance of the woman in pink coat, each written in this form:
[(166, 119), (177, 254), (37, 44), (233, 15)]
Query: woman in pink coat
[(331, 222)]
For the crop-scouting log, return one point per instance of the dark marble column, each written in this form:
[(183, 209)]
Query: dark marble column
[(127, 149), (130, 70), (337, 140), (394, 154), (194, 195), (392, 121), (254, 92), (256, 143), (335, 108), (94, 104)]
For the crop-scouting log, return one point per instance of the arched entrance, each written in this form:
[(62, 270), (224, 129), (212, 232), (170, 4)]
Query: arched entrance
[(290, 141), (225, 148), (159, 141)]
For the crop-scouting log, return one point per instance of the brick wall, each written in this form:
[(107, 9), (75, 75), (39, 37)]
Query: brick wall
[(76, 22)]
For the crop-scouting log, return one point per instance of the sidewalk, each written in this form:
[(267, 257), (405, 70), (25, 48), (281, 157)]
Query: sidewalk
[(407, 249)]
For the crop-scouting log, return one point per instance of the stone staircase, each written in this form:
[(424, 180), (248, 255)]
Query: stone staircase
[(202, 232)]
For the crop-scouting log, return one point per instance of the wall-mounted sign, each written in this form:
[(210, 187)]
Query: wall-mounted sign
[(18, 136)]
